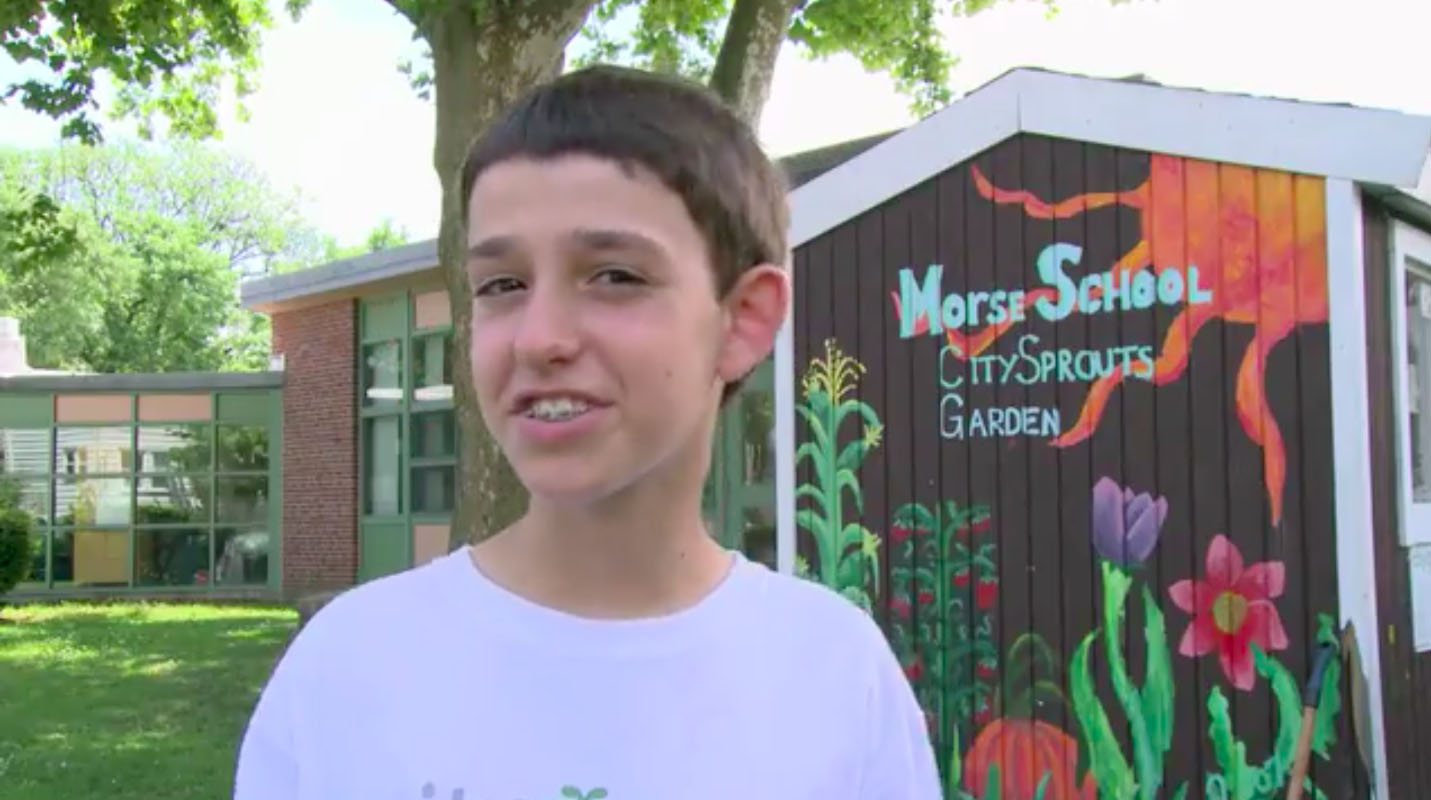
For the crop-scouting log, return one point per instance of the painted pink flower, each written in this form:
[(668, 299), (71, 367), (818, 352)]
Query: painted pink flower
[(1232, 610)]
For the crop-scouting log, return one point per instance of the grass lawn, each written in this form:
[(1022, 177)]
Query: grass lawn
[(134, 700)]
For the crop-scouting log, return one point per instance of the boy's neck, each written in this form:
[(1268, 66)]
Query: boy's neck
[(639, 555)]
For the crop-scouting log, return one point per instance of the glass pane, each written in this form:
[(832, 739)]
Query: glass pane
[(93, 501), (241, 556), (171, 499), (24, 450), (243, 448), (37, 558), (757, 411), (171, 558), (242, 500), (432, 368), (1418, 379), (382, 373), (27, 494), (81, 451), (174, 448), (434, 434), (432, 489), (95, 557), (61, 556), (382, 451)]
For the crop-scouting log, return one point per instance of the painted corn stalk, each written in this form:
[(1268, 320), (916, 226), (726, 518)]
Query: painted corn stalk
[(846, 552), (942, 590)]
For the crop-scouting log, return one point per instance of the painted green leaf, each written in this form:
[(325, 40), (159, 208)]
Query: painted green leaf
[(596, 794), (1146, 758), (955, 770), (820, 437), (853, 534), (852, 454), (846, 479), (991, 782), (1329, 703), (813, 492), (1110, 768), (1231, 754), (1182, 791), (571, 791), (810, 520), (1042, 786), (1158, 687), (1289, 713)]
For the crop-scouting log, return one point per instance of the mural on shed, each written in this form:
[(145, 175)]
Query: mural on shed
[(1017, 450)]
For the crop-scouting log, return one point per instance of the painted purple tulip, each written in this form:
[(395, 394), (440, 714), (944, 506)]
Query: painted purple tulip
[(1126, 525)]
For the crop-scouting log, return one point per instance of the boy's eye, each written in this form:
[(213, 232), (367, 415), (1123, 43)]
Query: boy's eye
[(618, 275), (498, 286)]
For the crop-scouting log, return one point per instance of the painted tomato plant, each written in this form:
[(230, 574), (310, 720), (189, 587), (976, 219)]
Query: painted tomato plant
[(942, 590)]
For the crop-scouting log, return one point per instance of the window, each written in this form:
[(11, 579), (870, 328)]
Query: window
[(147, 503), (1412, 333)]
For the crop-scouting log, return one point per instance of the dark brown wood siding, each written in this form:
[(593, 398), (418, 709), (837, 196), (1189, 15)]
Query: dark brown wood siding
[(998, 494), (1406, 675)]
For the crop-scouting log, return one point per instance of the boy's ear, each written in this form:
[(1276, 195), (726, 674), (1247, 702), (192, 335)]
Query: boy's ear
[(755, 308)]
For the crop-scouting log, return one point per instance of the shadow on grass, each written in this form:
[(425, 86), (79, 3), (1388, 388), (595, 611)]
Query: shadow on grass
[(130, 705)]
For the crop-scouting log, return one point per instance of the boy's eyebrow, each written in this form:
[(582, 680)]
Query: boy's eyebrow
[(614, 240), (493, 247), (594, 239)]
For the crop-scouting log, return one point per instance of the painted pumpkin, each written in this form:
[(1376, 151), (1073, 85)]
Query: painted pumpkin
[(1025, 750)]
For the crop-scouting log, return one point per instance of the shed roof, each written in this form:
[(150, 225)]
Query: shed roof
[(1370, 146), (838, 182)]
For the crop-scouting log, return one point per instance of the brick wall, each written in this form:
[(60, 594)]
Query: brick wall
[(320, 454)]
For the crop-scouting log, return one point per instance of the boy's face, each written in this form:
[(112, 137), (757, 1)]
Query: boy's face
[(599, 346)]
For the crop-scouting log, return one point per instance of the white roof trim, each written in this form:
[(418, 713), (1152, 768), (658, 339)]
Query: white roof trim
[(1357, 144)]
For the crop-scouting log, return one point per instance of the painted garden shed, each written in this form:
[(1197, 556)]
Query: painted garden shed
[(1103, 399)]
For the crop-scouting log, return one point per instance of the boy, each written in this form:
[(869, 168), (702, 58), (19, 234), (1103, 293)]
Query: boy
[(626, 237)]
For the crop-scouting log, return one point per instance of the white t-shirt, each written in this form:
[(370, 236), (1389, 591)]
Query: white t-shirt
[(438, 683)]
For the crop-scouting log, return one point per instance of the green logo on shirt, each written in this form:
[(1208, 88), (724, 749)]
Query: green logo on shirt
[(429, 791)]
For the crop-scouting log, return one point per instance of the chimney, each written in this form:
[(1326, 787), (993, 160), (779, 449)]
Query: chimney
[(12, 348)]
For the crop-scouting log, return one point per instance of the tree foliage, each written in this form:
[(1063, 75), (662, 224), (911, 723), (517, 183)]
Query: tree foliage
[(169, 59), (127, 259)]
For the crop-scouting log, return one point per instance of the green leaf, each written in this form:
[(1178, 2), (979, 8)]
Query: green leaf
[(991, 782), (1238, 778), (1289, 713), (813, 492), (1182, 791), (853, 534), (955, 770), (1158, 690), (811, 521), (1042, 786), (816, 426), (1146, 757), (1110, 768), (1329, 702), (852, 454), (846, 479)]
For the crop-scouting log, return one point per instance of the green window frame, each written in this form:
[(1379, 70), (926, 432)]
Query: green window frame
[(155, 504)]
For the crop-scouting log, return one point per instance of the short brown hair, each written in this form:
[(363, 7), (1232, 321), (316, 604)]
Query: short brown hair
[(679, 130)]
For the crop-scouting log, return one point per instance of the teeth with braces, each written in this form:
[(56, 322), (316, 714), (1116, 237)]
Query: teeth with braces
[(556, 408)]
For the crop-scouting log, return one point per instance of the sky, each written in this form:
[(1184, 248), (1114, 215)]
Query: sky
[(334, 119)]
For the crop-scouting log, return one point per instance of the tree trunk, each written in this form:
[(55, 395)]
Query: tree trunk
[(484, 55), (746, 61)]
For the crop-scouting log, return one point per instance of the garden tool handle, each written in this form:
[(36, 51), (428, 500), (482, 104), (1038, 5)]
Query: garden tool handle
[(1311, 693)]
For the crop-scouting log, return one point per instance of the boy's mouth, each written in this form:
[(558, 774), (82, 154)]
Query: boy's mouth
[(556, 409)]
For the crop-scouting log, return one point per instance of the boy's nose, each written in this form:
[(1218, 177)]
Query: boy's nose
[(549, 329)]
